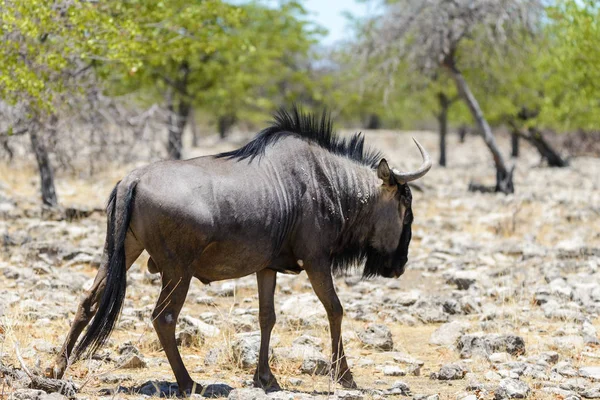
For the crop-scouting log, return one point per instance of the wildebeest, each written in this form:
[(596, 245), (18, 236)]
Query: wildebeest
[(296, 198)]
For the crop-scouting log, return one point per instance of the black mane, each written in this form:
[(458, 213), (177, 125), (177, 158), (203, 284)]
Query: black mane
[(309, 127)]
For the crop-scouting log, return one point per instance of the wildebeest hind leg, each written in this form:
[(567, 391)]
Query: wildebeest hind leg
[(87, 306), (322, 284), (263, 377), (164, 318)]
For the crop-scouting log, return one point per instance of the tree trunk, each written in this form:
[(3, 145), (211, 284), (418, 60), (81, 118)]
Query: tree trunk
[(373, 122), (442, 118), (523, 115), (224, 124), (514, 141), (178, 113), (536, 138), (504, 182), (546, 151), (48, 191), (194, 126), (462, 133), (177, 120)]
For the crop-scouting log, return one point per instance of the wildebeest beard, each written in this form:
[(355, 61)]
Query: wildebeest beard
[(377, 263)]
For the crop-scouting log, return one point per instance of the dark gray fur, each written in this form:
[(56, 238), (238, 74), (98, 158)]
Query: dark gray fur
[(295, 198)]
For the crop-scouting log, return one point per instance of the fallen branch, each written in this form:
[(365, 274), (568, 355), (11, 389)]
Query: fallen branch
[(535, 137), (48, 385)]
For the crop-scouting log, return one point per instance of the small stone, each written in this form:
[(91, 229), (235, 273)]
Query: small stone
[(463, 279), (550, 357), (307, 340), (561, 393), (429, 311), (574, 384), (407, 299), (406, 319), (393, 370), (27, 394), (313, 361), (499, 357), (213, 355), (492, 376), (295, 381), (377, 336), (128, 348), (348, 395), (511, 389), (449, 372), (188, 337), (565, 368), (34, 394), (304, 310), (205, 300), (448, 334), (54, 396), (591, 393), (245, 349), (592, 373), (247, 394), (244, 323), (400, 388), (484, 345), (115, 378), (315, 365), (569, 342), (132, 361), (225, 289), (200, 327), (589, 333)]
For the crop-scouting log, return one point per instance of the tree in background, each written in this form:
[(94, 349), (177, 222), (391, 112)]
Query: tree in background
[(274, 70), (430, 35), (572, 88), (179, 46), (48, 53), (547, 82), (223, 59)]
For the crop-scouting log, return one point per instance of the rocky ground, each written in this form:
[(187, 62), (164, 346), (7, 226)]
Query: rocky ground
[(500, 299)]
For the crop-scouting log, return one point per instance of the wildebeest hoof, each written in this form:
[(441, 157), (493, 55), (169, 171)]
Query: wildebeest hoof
[(347, 381), (268, 384), (56, 371)]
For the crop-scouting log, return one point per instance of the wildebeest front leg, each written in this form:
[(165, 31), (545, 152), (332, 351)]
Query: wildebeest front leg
[(322, 283), (263, 377), (164, 317)]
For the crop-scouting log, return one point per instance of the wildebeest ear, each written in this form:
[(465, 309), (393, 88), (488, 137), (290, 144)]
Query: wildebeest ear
[(384, 173)]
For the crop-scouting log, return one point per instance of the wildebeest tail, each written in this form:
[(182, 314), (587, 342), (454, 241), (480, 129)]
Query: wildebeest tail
[(109, 307)]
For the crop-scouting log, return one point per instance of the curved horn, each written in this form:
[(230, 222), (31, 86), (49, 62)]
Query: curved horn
[(405, 177)]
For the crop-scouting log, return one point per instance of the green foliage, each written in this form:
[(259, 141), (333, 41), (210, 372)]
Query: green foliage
[(168, 34), (571, 84), (243, 61), (554, 72), (227, 60), (46, 46), (215, 55), (273, 67)]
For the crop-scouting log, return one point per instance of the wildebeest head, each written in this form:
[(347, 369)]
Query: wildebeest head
[(387, 252)]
